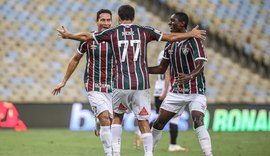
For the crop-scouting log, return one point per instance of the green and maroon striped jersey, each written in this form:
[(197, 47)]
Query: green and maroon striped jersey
[(182, 56), (99, 70), (129, 46)]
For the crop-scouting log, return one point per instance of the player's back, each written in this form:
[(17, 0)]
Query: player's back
[(129, 44)]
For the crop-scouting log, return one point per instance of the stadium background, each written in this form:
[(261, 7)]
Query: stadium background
[(34, 59)]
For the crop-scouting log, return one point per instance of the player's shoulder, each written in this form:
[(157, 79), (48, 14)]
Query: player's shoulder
[(194, 39)]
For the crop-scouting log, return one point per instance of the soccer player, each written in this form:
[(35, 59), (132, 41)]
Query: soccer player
[(131, 93), (161, 89), (98, 78), (187, 59)]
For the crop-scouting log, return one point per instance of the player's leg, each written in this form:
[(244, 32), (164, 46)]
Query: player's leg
[(198, 107), (173, 147), (163, 118), (120, 106), (101, 104), (117, 133), (138, 134), (105, 132), (172, 104), (141, 106)]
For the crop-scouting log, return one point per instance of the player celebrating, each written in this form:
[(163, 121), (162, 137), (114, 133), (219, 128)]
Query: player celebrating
[(129, 43), (161, 89), (98, 78), (187, 59)]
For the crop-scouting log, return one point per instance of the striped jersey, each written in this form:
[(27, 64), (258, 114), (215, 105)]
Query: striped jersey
[(129, 46), (99, 70), (182, 56)]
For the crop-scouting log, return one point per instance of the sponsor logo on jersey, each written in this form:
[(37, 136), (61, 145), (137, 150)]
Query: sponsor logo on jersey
[(99, 85), (143, 112)]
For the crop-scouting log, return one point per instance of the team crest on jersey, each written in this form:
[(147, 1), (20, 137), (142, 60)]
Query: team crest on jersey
[(93, 47), (185, 50)]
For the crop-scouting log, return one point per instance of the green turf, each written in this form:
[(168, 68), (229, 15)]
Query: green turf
[(59, 142)]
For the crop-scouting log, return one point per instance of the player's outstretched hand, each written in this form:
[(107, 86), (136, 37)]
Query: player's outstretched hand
[(63, 32), (58, 88), (198, 33)]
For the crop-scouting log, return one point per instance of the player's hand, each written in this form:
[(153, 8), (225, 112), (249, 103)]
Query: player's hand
[(198, 33), (63, 32), (58, 88), (182, 78), (162, 97)]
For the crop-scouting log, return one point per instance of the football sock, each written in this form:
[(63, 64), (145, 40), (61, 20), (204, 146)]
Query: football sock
[(156, 136), (106, 139), (173, 133), (205, 140), (147, 140), (116, 138)]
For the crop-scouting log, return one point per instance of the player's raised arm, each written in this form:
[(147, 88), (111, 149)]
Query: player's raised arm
[(80, 36), (182, 36), (73, 63)]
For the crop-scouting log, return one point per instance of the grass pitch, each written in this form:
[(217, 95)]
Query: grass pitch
[(62, 142)]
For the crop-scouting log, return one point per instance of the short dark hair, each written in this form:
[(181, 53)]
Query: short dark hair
[(181, 16), (103, 11), (126, 12)]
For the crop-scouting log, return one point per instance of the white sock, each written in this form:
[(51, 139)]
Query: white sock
[(147, 140), (205, 140), (116, 138), (106, 139), (156, 136)]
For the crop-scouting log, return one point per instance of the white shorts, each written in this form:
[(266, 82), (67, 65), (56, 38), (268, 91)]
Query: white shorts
[(100, 102), (137, 101), (176, 103)]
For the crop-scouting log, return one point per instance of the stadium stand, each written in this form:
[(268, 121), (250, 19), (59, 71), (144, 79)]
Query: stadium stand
[(34, 59)]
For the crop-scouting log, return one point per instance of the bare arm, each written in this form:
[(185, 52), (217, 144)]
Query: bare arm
[(160, 69), (80, 36), (73, 63), (184, 78), (182, 36)]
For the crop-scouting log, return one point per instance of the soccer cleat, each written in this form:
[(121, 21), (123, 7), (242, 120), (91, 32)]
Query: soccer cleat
[(177, 148), (138, 140)]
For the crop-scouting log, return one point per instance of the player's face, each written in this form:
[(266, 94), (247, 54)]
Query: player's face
[(175, 24), (104, 21)]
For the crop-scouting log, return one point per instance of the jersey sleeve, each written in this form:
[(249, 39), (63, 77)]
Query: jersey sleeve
[(198, 49), (82, 47), (153, 34), (103, 36), (166, 54)]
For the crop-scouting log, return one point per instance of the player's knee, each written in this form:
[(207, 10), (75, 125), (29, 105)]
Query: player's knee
[(104, 119), (159, 124), (198, 119)]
